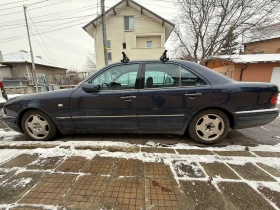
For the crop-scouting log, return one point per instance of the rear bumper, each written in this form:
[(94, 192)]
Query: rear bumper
[(247, 119), (11, 122)]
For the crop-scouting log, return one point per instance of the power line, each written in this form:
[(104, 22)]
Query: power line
[(44, 21), (67, 12), (41, 46), (49, 5), (12, 3), (63, 45), (41, 38)]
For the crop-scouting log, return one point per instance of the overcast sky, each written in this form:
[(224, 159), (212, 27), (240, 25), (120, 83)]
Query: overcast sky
[(67, 47)]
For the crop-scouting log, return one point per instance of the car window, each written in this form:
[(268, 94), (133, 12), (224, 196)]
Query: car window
[(118, 77), (159, 75)]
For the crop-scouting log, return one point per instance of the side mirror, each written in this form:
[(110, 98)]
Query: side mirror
[(90, 88)]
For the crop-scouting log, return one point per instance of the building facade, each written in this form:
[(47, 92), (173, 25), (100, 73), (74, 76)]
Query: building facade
[(18, 70), (131, 28)]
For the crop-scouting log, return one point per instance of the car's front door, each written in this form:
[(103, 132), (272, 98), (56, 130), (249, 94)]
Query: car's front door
[(113, 108), (168, 96)]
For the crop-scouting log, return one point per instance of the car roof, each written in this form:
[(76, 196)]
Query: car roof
[(212, 76)]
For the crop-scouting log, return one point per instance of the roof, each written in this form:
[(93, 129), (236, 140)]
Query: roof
[(113, 10), (263, 33), (250, 58), (23, 56)]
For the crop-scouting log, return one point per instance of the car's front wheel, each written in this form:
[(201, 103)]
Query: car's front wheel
[(209, 126), (37, 125)]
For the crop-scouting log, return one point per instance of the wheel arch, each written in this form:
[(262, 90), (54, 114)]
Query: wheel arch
[(228, 114), (20, 116)]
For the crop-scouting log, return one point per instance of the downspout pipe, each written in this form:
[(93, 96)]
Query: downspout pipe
[(241, 73)]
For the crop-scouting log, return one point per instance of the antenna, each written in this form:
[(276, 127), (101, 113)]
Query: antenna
[(164, 57), (125, 58)]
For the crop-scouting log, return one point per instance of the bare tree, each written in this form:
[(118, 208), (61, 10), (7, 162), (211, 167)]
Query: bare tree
[(90, 65), (204, 26)]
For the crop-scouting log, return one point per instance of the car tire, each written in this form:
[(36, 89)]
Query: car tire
[(38, 126), (209, 126)]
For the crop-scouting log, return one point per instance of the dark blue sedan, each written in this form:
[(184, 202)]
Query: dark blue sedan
[(172, 97)]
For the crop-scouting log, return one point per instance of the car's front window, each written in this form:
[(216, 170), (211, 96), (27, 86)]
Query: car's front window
[(118, 77)]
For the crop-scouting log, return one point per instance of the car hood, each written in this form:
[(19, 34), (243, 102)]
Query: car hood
[(42, 95)]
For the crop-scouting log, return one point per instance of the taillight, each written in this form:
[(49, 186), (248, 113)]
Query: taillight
[(274, 99), (1, 85)]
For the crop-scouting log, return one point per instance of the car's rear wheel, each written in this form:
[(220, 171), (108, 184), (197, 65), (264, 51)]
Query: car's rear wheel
[(37, 125), (209, 126)]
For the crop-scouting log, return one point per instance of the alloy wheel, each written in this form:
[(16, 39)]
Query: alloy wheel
[(37, 127), (210, 127)]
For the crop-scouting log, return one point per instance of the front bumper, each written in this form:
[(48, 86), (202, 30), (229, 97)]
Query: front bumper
[(254, 118), (11, 122)]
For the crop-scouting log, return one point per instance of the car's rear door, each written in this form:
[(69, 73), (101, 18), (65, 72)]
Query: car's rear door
[(113, 108), (168, 95)]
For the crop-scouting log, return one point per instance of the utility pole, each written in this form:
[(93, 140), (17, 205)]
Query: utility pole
[(31, 52), (104, 32)]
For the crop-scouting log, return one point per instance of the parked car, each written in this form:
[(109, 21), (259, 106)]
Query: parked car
[(3, 95), (149, 96)]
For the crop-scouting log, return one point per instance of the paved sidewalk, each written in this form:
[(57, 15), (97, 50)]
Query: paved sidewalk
[(126, 180)]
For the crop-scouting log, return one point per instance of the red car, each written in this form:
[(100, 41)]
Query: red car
[(3, 95)]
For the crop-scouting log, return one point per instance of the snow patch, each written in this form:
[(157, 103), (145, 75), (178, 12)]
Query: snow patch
[(8, 135), (18, 183)]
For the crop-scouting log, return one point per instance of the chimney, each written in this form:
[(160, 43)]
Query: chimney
[(1, 57)]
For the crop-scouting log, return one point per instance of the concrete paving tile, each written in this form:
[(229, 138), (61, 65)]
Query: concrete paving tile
[(217, 169), (194, 152), (187, 169), (235, 153), (73, 164), (157, 150), (86, 193), (49, 190), (267, 154), (272, 195), (32, 146), (45, 163), (269, 169), (15, 187), (129, 167), (163, 194), (100, 166), (242, 196), (4, 175), (27, 208), (19, 161), (251, 172), (157, 170), (124, 194), (202, 195)]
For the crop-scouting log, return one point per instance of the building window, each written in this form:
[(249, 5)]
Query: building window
[(128, 23), (149, 44), (108, 44), (124, 45), (109, 56)]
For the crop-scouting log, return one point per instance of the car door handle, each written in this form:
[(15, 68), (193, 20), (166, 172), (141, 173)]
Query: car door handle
[(128, 98), (193, 94)]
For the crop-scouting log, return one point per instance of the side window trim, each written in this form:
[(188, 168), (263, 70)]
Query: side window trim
[(142, 86), (137, 81)]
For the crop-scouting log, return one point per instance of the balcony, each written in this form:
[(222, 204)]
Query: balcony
[(145, 53)]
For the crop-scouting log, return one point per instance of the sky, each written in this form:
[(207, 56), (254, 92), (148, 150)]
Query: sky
[(61, 39)]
